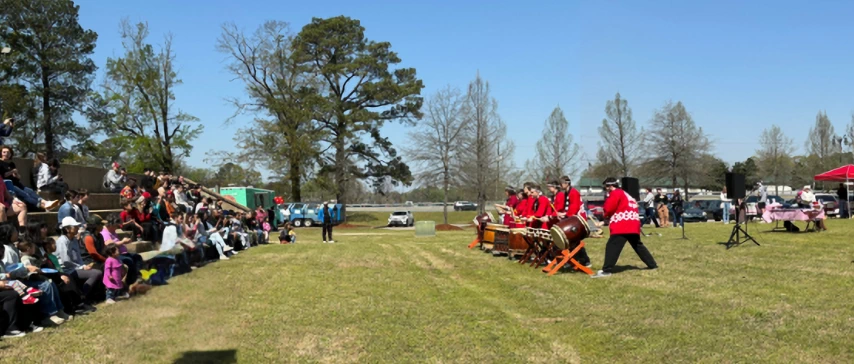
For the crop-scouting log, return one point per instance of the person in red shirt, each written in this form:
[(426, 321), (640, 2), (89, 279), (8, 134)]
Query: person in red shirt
[(520, 210), (622, 210), (538, 211), (511, 202), (572, 205)]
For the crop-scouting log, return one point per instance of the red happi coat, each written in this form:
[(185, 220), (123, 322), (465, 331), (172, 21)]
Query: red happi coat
[(512, 201), (576, 206), (538, 210), (622, 210)]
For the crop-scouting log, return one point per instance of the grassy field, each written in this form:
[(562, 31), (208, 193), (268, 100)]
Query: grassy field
[(385, 296), (381, 218)]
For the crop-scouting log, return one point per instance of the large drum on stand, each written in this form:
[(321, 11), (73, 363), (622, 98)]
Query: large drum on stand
[(495, 237), (517, 244), (568, 232)]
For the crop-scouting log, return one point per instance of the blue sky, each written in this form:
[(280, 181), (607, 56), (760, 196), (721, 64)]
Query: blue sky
[(737, 66)]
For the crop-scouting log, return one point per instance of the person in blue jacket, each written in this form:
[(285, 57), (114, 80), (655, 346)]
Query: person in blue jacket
[(327, 216)]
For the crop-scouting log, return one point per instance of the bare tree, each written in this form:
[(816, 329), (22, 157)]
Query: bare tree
[(482, 134), (775, 156), (435, 146), (677, 144), (557, 154), (279, 89), (821, 142), (621, 140)]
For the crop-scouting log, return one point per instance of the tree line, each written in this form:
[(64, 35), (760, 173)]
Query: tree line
[(318, 99)]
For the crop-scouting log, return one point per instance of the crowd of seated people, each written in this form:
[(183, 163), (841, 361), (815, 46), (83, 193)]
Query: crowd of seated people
[(47, 282)]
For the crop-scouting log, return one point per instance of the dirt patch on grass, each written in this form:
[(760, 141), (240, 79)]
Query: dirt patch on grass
[(348, 226), (447, 227)]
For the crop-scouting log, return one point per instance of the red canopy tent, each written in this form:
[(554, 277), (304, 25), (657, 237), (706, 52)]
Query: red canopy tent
[(841, 174)]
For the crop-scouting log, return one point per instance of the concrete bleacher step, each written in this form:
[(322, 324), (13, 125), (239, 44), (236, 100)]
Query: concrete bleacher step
[(96, 201), (50, 217)]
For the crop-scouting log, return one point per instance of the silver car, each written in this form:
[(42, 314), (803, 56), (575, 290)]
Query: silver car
[(401, 218)]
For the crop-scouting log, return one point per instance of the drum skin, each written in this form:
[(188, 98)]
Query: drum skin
[(568, 232)]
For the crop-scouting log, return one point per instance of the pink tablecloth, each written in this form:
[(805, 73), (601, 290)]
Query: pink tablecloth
[(792, 215)]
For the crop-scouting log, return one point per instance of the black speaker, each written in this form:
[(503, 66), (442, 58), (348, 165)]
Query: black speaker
[(631, 186), (735, 186)]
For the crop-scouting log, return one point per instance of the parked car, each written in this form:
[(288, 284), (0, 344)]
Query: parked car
[(465, 206), (401, 218), (712, 208), (830, 203), (771, 199), (694, 214)]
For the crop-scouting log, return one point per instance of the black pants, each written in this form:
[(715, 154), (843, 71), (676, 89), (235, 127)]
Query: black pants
[(10, 303), (615, 246), (88, 281), (69, 294), (650, 215), (327, 229), (582, 256), (57, 187)]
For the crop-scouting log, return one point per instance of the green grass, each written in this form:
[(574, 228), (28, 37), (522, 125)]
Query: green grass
[(385, 296), (381, 218)]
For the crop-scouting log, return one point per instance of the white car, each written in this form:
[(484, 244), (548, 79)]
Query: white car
[(401, 218)]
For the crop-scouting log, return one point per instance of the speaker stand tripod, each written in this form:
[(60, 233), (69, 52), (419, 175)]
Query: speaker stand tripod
[(736, 238)]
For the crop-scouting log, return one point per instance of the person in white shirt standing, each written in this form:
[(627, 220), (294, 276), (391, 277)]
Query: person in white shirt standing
[(649, 208), (726, 203)]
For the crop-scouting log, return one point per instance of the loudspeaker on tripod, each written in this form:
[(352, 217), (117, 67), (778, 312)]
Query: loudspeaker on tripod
[(735, 188), (631, 186)]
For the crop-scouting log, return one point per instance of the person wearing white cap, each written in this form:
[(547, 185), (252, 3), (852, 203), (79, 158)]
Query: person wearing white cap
[(75, 262), (326, 217)]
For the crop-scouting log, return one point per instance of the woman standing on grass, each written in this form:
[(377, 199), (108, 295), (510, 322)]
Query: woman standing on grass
[(678, 208), (725, 205)]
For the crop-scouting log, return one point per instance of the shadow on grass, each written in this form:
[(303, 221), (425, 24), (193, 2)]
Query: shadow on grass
[(625, 268), (217, 356)]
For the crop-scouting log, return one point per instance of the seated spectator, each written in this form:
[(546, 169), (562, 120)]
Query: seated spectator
[(36, 233), (6, 129), (181, 199), (130, 191), (114, 180), (49, 178), (173, 238), (83, 197), (9, 171), (211, 234), (71, 208), (77, 263), (72, 298), (261, 217), (288, 236), (165, 186), (10, 303), (196, 195), (132, 260), (12, 207), (50, 303), (137, 222), (238, 233), (93, 241), (148, 181)]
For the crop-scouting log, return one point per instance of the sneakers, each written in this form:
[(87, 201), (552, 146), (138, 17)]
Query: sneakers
[(223, 257), (64, 316), (125, 296), (331, 241), (85, 308), (34, 292), (53, 321), (601, 274), (324, 242), (50, 205), (589, 265), (14, 333), (29, 300), (110, 301), (34, 328), (227, 249)]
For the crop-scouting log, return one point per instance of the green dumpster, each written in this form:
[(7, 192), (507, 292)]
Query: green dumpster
[(425, 228)]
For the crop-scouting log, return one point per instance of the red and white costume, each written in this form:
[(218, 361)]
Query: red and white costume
[(622, 210), (512, 201)]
